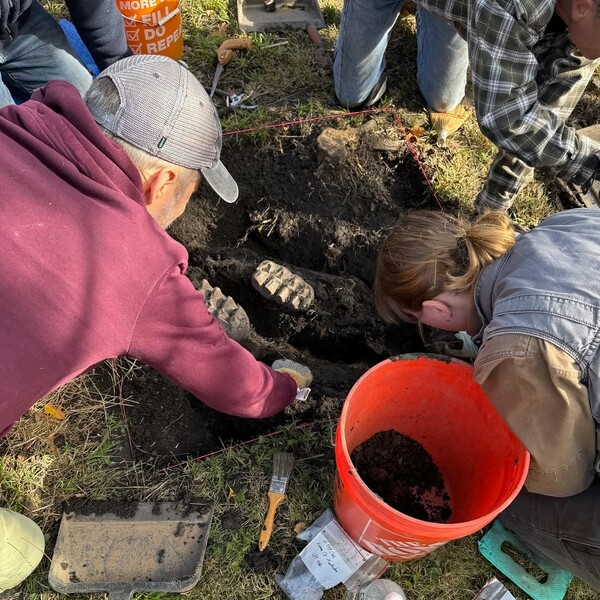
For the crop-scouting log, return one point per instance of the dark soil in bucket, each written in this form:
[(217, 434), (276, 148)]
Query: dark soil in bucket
[(402, 473), (323, 220)]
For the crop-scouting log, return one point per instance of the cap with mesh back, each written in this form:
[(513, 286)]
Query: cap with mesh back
[(166, 112)]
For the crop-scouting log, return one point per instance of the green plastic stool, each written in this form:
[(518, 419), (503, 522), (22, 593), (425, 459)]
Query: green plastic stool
[(555, 586)]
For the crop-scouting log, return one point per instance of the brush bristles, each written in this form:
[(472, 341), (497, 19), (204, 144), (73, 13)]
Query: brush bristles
[(283, 463)]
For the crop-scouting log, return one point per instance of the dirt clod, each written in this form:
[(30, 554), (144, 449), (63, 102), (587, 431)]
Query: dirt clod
[(262, 562), (231, 519), (124, 510)]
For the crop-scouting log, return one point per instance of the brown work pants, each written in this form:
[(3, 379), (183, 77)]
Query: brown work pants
[(564, 530)]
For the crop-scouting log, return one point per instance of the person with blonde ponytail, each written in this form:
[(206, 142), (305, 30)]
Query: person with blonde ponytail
[(532, 304)]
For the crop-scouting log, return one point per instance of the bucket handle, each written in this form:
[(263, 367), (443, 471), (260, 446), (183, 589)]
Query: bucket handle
[(168, 17), (160, 23)]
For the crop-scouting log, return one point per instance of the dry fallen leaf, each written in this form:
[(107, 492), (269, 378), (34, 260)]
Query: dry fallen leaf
[(219, 31), (231, 494), (416, 131), (56, 412), (299, 527)]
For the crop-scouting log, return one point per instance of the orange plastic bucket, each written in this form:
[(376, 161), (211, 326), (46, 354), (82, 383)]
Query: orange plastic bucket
[(153, 26), (436, 402)]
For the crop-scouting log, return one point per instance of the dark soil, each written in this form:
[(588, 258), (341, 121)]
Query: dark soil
[(231, 519), (323, 220), (402, 473), (101, 507), (263, 562)]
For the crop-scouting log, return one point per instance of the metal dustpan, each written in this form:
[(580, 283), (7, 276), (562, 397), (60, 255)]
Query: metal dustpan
[(292, 14), (145, 546)]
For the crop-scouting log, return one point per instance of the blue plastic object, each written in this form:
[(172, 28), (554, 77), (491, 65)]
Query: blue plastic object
[(79, 47), (555, 586)]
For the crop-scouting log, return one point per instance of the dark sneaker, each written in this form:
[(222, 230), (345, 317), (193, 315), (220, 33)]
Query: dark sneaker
[(519, 229), (575, 194), (376, 93), (232, 317), (275, 282), (586, 196)]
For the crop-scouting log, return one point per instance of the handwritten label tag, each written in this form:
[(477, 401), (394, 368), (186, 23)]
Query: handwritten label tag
[(332, 557)]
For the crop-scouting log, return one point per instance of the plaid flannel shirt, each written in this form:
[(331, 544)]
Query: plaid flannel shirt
[(527, 78)]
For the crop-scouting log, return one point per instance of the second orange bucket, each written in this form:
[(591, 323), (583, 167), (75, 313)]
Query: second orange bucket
[(153, 26), (436, 402)]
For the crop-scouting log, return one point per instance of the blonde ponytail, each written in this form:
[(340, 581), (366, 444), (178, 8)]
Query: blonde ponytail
[(428, 253)]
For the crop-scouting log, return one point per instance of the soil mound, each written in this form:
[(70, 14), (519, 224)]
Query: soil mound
[(321, 219)]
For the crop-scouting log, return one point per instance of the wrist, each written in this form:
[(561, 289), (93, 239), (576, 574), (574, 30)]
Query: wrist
[(300, 394)]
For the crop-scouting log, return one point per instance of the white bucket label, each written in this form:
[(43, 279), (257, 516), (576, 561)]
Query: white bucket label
[(401, 549), (136, 4), (388, 547), (153, 26), (160, 45), (332, 556)]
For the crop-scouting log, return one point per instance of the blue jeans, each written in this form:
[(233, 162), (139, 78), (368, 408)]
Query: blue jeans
[(359, 62), (565, 530), (38, 54)]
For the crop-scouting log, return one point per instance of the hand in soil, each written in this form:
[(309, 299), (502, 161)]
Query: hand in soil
[(327, 220), (301, 374)]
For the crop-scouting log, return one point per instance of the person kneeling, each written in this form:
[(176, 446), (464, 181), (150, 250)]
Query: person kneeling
[(533, 304)]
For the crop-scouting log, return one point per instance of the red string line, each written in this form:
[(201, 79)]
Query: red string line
[(248, 442), (411, 146)]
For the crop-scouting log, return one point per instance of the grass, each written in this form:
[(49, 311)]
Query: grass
[(45, 462)]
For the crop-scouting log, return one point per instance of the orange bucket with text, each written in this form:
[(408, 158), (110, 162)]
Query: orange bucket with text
[(435, 401), (153, 26)]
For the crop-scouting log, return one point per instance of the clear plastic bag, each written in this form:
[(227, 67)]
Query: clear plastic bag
[(330, 557)]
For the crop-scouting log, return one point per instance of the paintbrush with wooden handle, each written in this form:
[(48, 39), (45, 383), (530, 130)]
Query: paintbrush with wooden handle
[(282, 468)]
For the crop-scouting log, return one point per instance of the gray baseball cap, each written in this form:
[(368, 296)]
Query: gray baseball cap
[(165, 112)]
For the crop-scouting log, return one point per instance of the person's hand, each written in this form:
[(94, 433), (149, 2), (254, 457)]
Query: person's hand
[(301, 374)]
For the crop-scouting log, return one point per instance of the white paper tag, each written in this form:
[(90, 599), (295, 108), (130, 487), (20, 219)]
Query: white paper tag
[(332, 557)]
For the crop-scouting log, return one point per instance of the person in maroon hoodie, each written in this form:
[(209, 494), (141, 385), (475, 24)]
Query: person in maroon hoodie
[(88, 270)]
